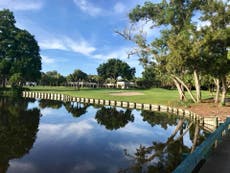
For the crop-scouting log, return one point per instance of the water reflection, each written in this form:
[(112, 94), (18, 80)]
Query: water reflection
[(70, 138), (159, 118), (18, 129), (112, 118), (75, 108), (55, 104), (163, 157)]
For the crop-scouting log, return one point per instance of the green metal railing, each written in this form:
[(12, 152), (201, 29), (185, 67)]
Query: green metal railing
[(202, 151)]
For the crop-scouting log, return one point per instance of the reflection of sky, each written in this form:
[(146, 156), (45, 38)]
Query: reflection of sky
[(68, 144)]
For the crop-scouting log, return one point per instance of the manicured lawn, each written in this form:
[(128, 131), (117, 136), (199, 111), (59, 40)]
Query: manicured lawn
[(154, 95)]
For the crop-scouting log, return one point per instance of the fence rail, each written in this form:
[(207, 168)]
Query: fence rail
[(202, 151)]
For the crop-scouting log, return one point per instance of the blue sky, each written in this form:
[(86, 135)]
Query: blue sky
[(77, 34)]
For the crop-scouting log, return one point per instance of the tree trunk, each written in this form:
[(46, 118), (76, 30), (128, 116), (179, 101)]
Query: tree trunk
[(178, 127), (224, 90), (217, 83), (180, 90), (197, 86), (186, 87), (196, 134), (3, 81)]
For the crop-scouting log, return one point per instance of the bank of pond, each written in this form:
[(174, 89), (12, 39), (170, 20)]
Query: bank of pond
[(38, 135)]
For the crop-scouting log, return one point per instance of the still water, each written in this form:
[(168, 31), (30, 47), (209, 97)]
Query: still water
[(42, 136)]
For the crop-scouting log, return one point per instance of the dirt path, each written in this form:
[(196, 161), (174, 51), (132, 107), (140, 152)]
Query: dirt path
[(211, 109)]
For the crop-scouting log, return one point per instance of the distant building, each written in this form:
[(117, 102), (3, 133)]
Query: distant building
[(120, 84), (31, 84), (83, 84), (125, 84)]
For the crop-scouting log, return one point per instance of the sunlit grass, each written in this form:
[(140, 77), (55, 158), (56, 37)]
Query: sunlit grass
[(153, 95)]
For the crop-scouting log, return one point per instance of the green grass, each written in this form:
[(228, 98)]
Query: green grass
[(153, 96)]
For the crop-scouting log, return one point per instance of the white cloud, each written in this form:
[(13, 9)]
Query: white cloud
[(47, 60), (81, 46), (119, 7), (21, 4), (121, 53), (88, 7), (53, 44), (68, 44)]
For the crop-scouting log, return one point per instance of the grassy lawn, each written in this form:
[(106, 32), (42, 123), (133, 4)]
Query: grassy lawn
[(154, 95)]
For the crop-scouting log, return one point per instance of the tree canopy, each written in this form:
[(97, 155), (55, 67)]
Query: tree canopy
[(77, 76), (19, 51), (183, 47), (114, 68), (52, 78)]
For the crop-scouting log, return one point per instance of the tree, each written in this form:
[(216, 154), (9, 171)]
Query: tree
[(113, 119), (217, 42), (114, 68), (172, 49), (181, 48), (19, 51), (76, 77), (149, 77), (52, 78), (19, 126)]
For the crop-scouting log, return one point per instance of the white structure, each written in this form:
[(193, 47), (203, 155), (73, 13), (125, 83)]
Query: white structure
[(125, 85), (120, 84), (84, 84), (31, 84)]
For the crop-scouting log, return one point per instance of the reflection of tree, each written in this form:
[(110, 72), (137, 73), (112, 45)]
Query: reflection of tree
[(159, 118), (75, 108), (18, 128), (194, 134), (55, 104), (113, 119), (164, 156)]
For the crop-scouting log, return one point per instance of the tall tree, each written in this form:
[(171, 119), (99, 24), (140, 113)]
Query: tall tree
[(19, 51), (179, 51), (217, 42), (114, 68), (76, 77), (171, 50)]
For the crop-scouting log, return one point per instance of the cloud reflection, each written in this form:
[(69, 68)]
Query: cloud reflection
[(84, 167), (59, 131), (21, 167)]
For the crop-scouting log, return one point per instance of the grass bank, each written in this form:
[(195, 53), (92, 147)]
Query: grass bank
[(9, 92), (152, 96)]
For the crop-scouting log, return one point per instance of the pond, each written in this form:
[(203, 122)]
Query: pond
[(52, 136)]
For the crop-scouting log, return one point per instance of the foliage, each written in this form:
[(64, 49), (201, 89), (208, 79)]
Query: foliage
[(184, 48), (18, 129), (15, 80), (150, 77), (52, 78), (114, 68), (19, 51), (76, 109), (77, 76), (113, 119)]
